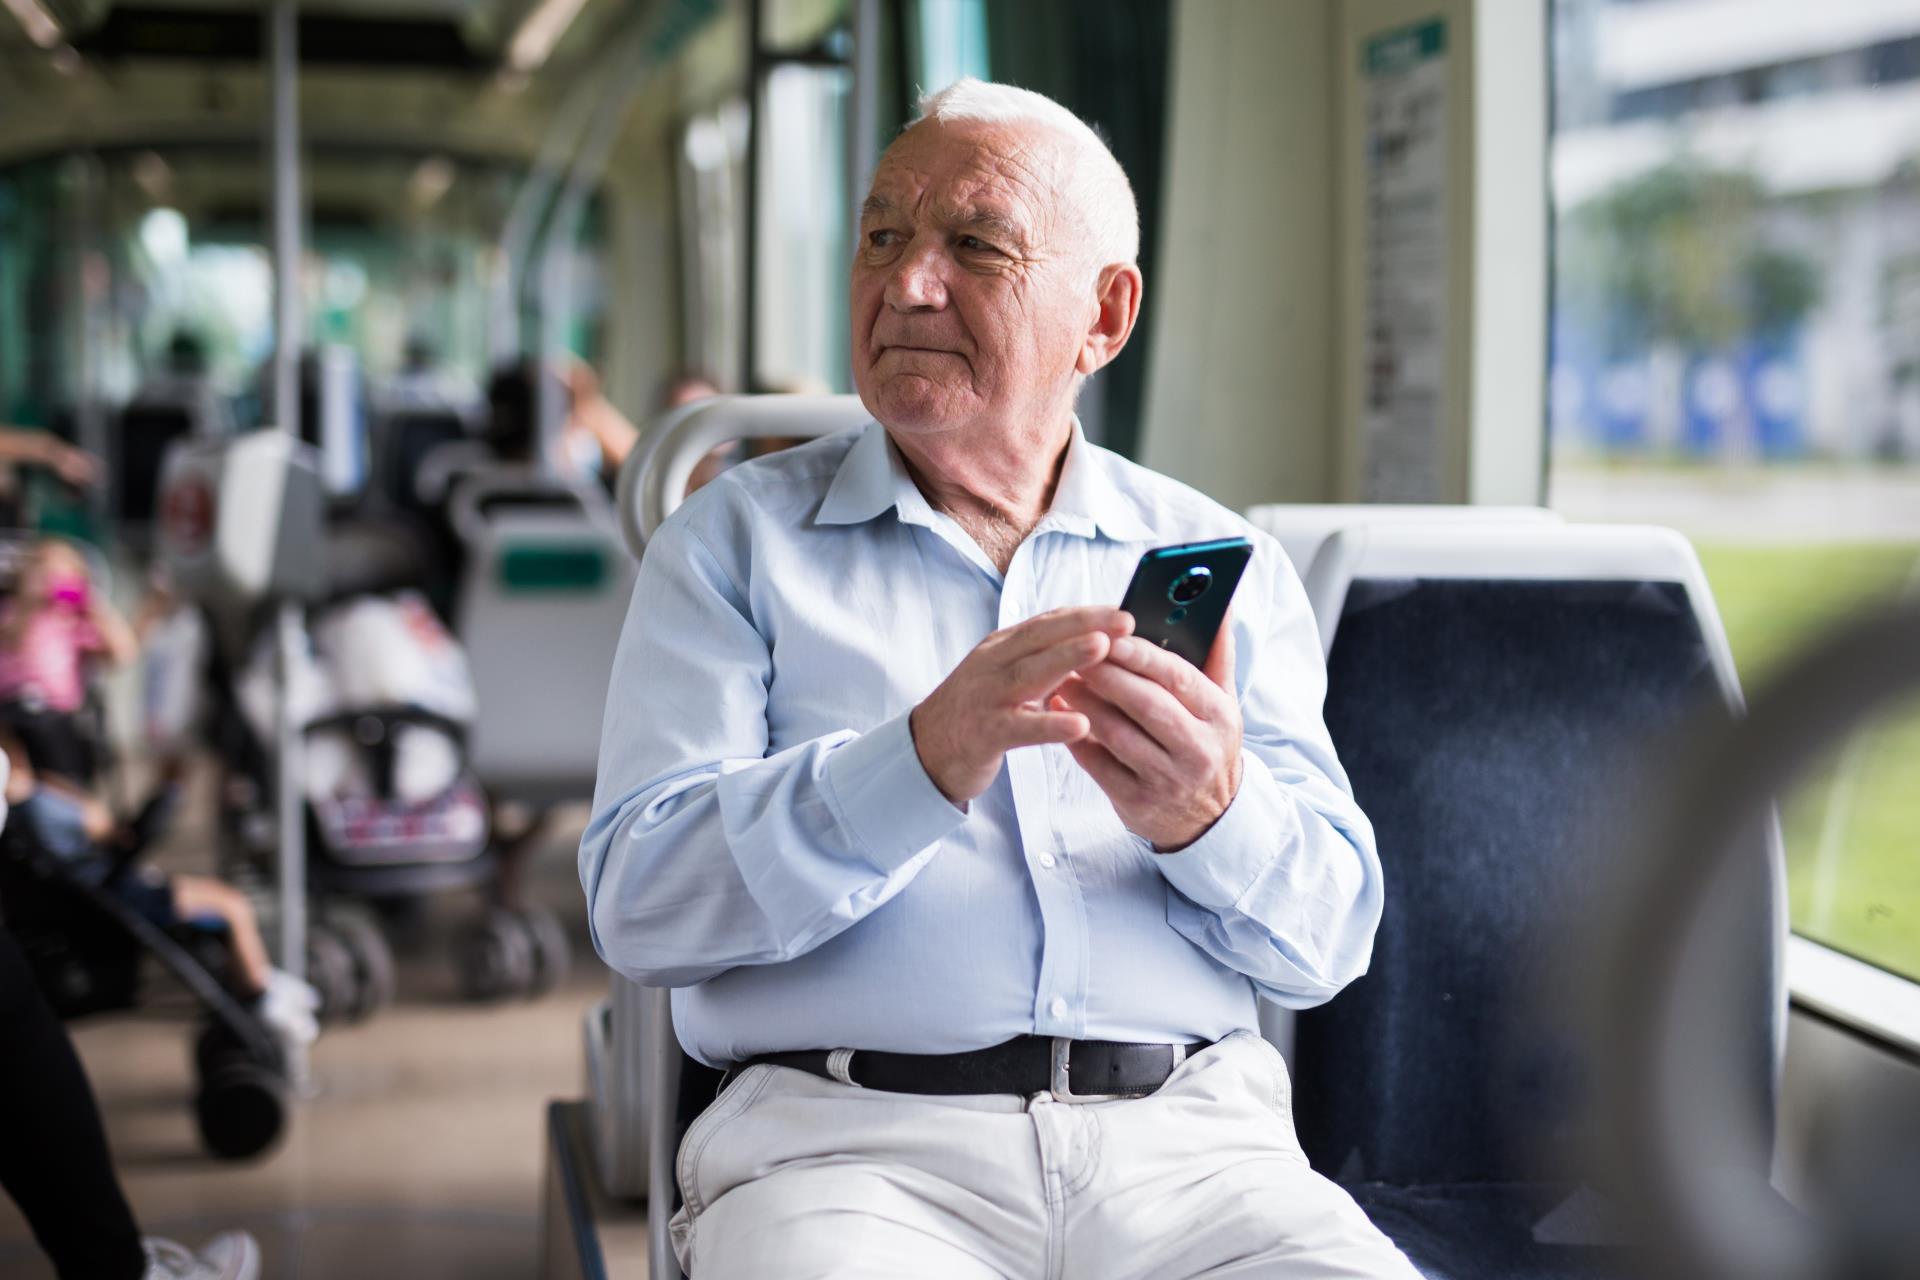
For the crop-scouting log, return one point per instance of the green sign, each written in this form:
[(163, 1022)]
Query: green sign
[(580, 567), (1396, 50)]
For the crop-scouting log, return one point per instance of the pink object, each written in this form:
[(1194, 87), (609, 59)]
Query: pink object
[(49, 662), (68, 591)]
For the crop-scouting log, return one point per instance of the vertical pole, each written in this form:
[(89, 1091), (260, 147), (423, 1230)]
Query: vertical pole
[(90, 424), (749, 283), (282, 43), (863, 106), (283, 75)]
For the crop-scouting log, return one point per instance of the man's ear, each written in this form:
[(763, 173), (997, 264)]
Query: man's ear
[(1116, 307)]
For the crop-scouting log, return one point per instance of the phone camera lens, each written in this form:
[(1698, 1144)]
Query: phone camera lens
[(1191, 585)]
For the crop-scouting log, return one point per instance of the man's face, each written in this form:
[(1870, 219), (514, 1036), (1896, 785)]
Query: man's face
[(971, 297)]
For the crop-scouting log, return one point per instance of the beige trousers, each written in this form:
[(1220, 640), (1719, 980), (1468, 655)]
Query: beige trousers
[(789, 1176)]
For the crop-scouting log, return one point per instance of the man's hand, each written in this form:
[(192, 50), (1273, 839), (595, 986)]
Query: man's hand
[(1165, 736), (997, 698)]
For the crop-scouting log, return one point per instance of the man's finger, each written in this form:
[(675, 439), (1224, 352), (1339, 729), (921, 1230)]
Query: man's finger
[(1147, 703), (1219, 664), (1029, 728), (1042, 671), (1107, 772), (1113, 729), (1194, 690), (1042, 630)]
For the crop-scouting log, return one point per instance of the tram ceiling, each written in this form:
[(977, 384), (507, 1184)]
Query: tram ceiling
[(510, 36), (473, 77)]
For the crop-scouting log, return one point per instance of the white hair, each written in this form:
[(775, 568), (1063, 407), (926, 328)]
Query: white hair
[(1103, 196)]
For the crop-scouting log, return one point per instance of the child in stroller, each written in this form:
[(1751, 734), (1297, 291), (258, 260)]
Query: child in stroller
[(52, 630)]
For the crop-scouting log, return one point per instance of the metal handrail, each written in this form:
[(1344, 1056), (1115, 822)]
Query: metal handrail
[(1700, 1221), (653, 483)]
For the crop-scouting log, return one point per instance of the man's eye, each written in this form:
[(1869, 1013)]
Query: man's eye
[(883, 238), (974, 244)]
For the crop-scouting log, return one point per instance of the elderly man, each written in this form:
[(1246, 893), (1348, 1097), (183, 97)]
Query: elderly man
[(929, 843)]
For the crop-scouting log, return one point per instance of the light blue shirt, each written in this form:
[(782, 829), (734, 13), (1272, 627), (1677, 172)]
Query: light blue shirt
[(765, 839)]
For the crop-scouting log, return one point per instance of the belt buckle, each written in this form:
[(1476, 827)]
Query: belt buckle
[(1062, 1090)]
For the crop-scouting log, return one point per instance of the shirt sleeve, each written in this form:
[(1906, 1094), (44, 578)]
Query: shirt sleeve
[(1286, 886), (706, 850)]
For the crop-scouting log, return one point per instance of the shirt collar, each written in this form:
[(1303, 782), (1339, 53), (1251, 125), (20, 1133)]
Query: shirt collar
[(872, 478)]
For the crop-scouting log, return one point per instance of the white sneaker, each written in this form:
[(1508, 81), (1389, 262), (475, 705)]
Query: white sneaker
[(287, 1007), (231, 1255)]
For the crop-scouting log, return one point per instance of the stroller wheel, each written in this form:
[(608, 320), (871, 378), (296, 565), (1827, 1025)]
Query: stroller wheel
[(331, 970), (372, 965), (495, 956), (552, 955), (241, 1109), (241, 1104)]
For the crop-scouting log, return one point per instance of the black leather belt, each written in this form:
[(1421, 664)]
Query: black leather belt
[(1069, 1070)]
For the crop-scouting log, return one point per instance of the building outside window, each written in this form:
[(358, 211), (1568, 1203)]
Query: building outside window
[(1736, 354)]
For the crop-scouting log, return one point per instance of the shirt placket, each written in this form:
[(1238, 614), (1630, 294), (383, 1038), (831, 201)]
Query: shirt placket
[(1060, 996)]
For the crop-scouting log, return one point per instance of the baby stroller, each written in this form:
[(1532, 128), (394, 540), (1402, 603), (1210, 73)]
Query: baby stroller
[(394, 813), (380, 693), (85, 940), (86, 944)]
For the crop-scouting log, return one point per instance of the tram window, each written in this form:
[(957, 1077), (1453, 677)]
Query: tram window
[(949, 42), (1736, 353), (804, 251), (1850, 834), (711, 173), (129, 250)]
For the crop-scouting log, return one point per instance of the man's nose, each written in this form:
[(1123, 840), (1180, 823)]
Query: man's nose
[(917, 281)]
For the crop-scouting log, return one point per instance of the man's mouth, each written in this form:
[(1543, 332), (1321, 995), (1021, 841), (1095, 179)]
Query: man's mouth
[(904, 346)]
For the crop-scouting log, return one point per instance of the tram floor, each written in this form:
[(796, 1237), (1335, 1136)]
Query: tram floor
[(420, 1149)]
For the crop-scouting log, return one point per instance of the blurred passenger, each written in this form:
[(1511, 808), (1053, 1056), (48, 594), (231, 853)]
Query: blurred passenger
[(184, 380), (596, 437), (424, 385), (513, 410), (55, 1163), (928, 843), (52, 632), (686, 389)]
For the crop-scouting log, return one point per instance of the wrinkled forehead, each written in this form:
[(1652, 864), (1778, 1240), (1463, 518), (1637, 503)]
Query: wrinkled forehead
[(960, 171)]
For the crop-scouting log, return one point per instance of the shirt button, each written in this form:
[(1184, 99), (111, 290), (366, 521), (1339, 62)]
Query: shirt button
[(1058, 1008), (1047, 860)]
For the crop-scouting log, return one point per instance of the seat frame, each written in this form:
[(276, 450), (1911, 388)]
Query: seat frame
[(1304, 528)]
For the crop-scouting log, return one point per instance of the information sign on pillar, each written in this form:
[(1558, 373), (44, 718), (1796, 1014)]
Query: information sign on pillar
[(1406, 288)]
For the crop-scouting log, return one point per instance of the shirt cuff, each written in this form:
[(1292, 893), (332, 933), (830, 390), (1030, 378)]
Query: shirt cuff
[(884, 797), (1216, 870)]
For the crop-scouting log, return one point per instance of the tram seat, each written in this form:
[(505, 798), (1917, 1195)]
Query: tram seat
[(544, 582), (1303, 527), (1490, 697), (630, 1036), (408, 436)]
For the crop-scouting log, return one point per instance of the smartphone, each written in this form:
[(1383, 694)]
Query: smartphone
[(1179, 595)]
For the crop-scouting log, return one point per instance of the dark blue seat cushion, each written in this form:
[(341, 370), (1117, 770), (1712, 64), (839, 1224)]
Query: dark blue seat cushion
[(1496, 733), (1487, 1231)]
